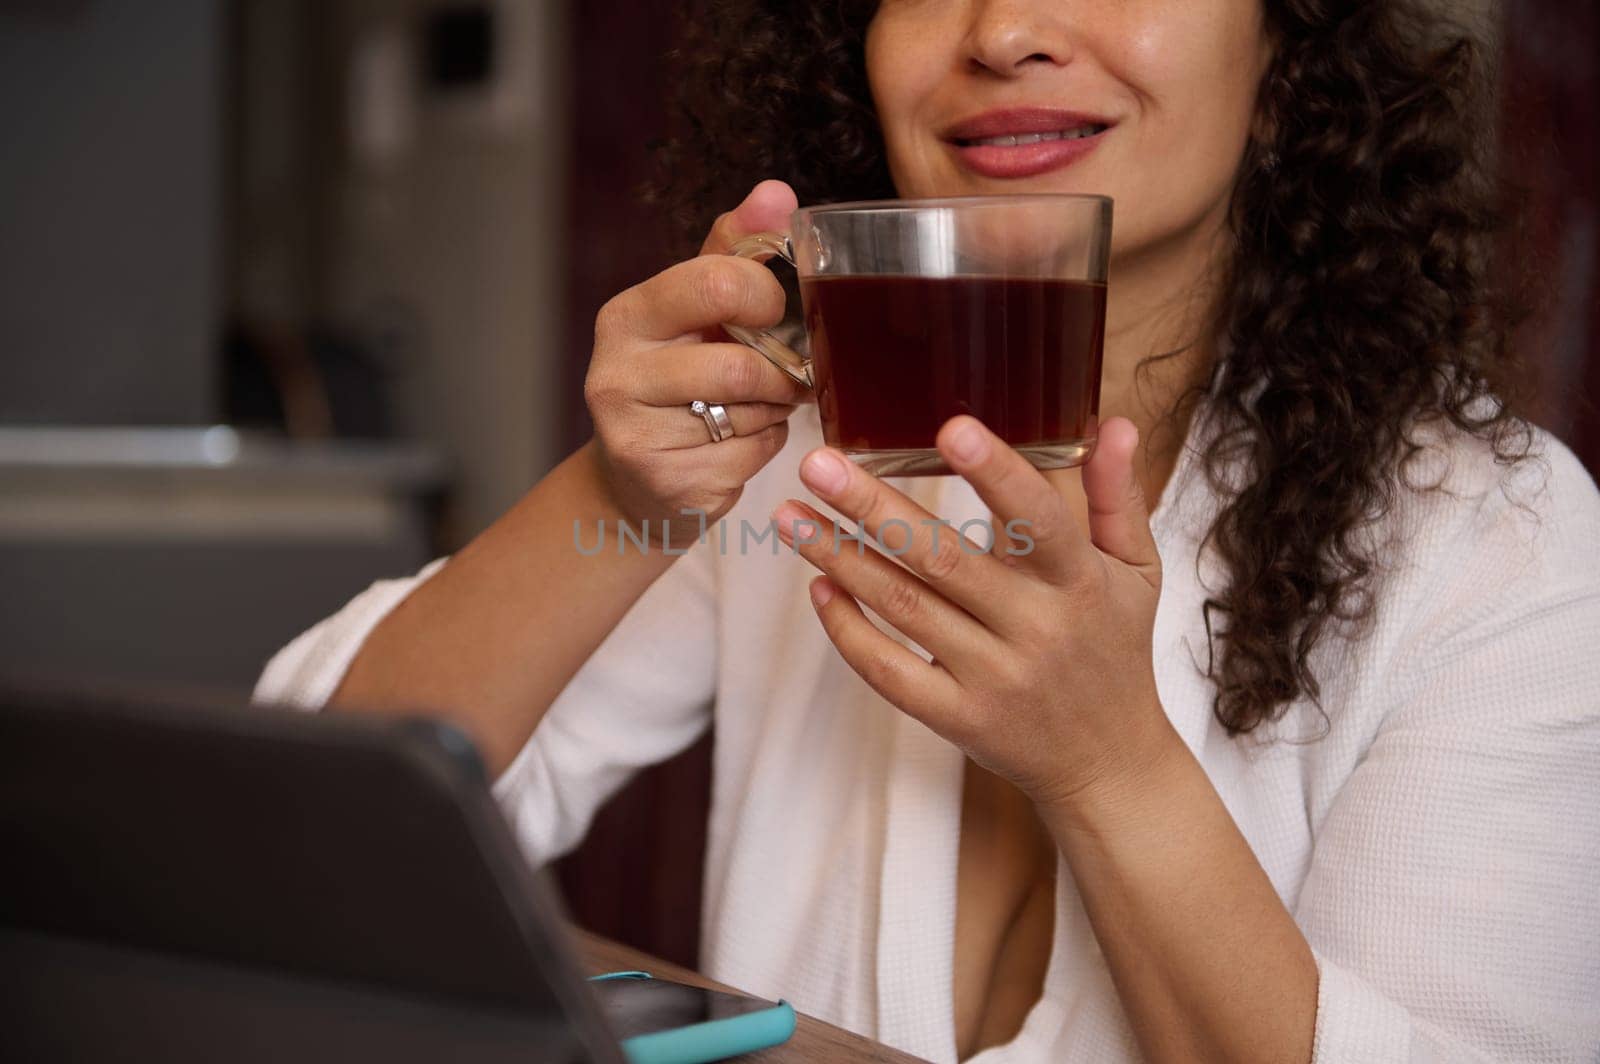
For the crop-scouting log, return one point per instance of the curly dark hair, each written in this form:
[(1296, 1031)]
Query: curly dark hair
[(1358, 306)]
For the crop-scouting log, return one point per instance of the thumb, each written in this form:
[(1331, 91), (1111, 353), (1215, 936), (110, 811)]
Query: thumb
[(766, 208), (1119, 519)]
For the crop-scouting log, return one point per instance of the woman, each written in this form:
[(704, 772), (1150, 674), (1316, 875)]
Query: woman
[(1300, 764)]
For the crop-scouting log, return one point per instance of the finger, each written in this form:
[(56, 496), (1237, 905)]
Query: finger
[(710, 472), (1119, 519), (1021, 500), (718, 373), (939, 626), (919, 689), (766, 209), (956, 566), (690, 297), (683, 428)]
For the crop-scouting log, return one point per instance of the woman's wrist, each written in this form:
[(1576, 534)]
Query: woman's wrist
[(1207, 961), (1148, 770), (596, 472), (635, 529)]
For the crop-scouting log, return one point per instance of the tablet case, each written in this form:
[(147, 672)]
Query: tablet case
[(194, 882)]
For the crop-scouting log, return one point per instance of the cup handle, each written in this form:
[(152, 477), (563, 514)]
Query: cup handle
[(780, 354)]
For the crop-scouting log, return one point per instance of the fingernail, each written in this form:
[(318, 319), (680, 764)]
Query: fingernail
[(821, 591), (969, 443), (824, 472), (785, 517)]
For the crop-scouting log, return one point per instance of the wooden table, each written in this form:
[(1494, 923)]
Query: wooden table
[(812, 1039)]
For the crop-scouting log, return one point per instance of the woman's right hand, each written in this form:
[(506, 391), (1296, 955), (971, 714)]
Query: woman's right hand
[(659, 346)]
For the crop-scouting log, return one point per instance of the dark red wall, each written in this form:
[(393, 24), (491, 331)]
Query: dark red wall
[(637, 875), (1550, 121)]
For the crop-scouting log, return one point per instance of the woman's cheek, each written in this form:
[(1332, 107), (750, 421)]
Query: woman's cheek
[(900, 80)]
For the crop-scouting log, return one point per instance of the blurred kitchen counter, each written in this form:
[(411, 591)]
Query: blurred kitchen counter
[(186, 556)]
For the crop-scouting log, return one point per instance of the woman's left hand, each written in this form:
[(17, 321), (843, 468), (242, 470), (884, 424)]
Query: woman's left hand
[(1042, 667)]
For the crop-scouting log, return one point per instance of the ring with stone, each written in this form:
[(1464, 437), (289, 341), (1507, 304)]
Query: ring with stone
[(716, 418)]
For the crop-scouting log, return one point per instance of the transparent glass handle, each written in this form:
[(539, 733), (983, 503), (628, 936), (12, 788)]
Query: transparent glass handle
[(780, 354)]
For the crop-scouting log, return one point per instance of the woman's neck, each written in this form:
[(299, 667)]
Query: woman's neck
[(1160, 345)]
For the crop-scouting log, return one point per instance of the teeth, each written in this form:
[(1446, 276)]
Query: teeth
[(1011, 141)]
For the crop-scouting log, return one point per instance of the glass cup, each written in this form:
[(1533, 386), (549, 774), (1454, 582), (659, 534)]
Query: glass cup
[(919, 310)]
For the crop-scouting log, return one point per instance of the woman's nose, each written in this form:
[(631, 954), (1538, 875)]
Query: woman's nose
[(1005, 36)]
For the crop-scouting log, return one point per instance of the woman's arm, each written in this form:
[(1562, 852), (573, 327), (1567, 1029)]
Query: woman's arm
[(1043, 675), (645, 694), (1207, 961), (1449, 912), (1450, 906), (1449, 909), (493, 637)]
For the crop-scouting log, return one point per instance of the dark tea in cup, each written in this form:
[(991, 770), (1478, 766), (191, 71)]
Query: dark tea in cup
[(896, 357), (920, 310)]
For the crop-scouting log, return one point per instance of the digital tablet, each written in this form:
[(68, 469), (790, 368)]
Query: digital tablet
[(191, 882)]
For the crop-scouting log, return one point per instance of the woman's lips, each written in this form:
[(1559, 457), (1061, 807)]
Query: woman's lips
[(1023, 142)]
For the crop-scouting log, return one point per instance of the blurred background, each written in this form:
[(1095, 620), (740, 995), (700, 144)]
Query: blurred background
[(297, 295)]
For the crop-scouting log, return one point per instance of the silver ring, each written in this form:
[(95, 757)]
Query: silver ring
[(718, 423)]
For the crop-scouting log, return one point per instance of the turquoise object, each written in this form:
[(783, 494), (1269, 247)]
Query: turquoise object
[(699, 1043)]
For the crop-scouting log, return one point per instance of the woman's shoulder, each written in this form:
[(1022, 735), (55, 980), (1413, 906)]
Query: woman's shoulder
[(1525, 500), (1486, 602), (1494, 563)]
